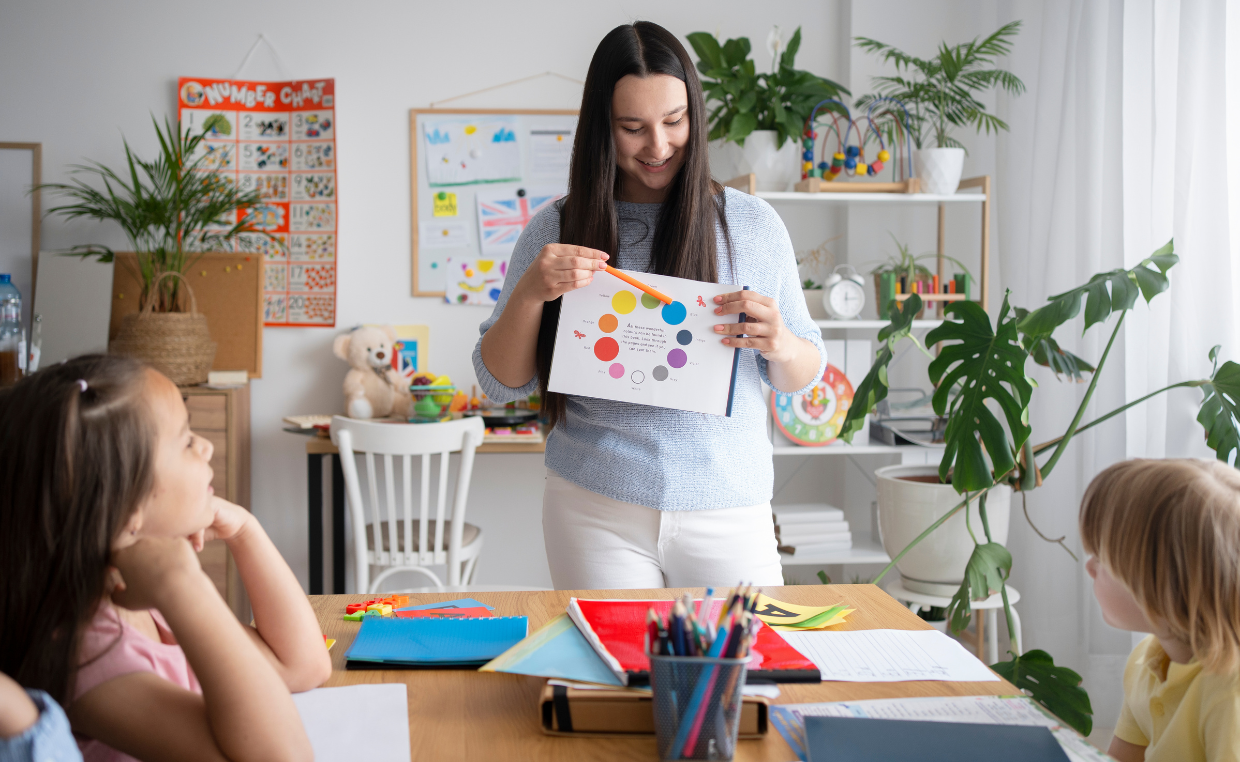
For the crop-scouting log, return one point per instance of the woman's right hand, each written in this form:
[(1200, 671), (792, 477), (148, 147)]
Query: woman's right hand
[(560, 268), (151, 568)]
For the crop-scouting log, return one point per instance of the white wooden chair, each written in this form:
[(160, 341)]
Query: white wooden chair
[(408, 542)]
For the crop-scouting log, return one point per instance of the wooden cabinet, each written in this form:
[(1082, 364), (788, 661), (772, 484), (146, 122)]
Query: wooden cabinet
[(222, 416)]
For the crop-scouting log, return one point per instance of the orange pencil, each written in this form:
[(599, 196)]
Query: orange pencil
[(638, 284)]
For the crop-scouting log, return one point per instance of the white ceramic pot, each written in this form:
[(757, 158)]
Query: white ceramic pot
[(775, 169), (906, 507), (939, 169), (813, 301)]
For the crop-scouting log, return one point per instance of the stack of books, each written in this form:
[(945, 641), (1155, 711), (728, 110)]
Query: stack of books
[(811, 528)]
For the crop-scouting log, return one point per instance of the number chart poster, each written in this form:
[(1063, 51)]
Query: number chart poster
[(616, 342), (278, 138)]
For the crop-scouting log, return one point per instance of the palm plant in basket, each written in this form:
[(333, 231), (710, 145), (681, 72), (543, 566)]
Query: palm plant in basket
[(981, 388), (173, 209)]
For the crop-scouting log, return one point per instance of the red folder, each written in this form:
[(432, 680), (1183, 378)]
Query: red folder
[(616, 629)]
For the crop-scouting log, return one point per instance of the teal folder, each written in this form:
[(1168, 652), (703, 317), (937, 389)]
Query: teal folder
[(857, 739), (384, 643)]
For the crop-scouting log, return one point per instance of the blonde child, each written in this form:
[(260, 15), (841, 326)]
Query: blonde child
[(105, 495), (1164, 544)]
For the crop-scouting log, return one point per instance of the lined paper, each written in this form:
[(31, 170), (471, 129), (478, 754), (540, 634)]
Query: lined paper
[(886, 656)]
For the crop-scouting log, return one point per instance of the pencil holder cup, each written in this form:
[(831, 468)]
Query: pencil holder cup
[(697, 705)]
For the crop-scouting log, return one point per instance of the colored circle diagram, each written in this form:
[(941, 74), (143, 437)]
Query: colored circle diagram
[(607, 349), (623, 302)]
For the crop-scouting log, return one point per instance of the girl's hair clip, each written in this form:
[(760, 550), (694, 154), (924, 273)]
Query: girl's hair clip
[(82, 383)]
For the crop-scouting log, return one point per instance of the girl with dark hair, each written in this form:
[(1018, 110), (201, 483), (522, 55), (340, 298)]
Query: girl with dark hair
[(105, 494), (640, 496)]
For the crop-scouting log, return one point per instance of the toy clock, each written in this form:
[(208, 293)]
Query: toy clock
[(814, 419), (843, 294)]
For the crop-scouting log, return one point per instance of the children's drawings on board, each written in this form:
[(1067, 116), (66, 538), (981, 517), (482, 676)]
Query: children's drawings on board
[(461, 152), (475, 281)]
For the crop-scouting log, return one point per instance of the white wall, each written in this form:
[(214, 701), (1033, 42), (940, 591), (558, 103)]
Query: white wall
[(79, 75)]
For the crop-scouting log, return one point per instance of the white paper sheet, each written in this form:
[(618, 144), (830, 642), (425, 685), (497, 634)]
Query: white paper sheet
[(336, 718), (887, 656), (615, 342), (981, 710)]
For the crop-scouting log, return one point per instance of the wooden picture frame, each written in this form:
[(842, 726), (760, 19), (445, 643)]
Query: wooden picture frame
[(423, 289), (36, 209)]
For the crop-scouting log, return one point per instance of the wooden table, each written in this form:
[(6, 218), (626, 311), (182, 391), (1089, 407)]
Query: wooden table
[(316, 448), (463, 714)]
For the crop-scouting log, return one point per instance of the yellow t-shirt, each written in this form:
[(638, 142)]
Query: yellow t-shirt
[(1186, 716)]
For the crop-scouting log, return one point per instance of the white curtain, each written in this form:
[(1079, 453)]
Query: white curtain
[(1120, 143)]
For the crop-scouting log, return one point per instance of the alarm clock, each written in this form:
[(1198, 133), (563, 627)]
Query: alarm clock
[(843, 294), (815, 418)]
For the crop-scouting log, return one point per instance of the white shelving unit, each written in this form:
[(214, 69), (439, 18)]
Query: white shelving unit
[(873, 325), (868, 550), (864, 552), (873, 198)]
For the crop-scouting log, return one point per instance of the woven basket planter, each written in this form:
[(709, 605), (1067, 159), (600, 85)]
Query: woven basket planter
[(177, 344)]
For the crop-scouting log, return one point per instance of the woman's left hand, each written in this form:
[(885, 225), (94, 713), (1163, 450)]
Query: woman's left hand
[(764, 327), (230, 520)]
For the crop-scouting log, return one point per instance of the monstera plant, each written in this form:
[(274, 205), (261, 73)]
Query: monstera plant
[(982, 390)]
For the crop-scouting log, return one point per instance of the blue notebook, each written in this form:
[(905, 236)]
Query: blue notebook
[(433, 643), (856, 739)]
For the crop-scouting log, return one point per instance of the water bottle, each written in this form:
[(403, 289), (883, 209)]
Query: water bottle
[(12, 336)]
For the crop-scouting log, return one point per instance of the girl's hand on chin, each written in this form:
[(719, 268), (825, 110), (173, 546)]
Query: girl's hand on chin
[(230, 521), (152, 568)]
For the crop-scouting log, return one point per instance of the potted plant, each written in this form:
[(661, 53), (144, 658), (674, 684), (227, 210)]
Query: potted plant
[(172, 209), (905, 265), (941, 93), (983, 391), (757, 118), (811, 265)]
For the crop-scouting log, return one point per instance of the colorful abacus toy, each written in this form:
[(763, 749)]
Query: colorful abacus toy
[(355, 612), (881, 122)]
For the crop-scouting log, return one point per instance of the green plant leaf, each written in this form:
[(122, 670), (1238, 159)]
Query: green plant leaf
[(1148, 278), (1047, 352), (1220, 411), (790, 50), (989, 566), (873, 388), (988, 366), (1054, 687), (742, 124), (707, 49)]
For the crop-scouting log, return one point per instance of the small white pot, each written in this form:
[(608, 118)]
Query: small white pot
[(939, 169), (775, 169), (813, 301), (905, 508)]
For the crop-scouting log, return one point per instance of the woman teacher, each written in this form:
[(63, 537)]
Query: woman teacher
[(639, 496)]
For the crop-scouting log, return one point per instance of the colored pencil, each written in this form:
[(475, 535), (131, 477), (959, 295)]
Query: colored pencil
[(638, 284)]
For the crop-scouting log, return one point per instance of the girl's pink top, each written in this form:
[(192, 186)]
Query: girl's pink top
[(111, 649)]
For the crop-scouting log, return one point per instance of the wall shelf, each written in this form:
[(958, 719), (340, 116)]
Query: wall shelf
[(872, 198), (844, 449)]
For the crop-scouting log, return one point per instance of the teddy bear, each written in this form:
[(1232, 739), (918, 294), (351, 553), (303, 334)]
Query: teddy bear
[(372, 387)]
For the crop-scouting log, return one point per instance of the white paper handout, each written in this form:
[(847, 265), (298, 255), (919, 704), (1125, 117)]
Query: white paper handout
[(789, 719), (334, 717), (617, 342), (888, 656)]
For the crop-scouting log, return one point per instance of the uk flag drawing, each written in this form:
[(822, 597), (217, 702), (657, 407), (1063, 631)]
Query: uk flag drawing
[(502, 215)]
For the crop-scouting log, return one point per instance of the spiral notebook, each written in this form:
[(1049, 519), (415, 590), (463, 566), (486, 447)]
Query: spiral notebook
[(433, 643)]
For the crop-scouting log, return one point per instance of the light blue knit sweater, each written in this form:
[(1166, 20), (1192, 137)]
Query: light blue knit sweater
[(673, 460)]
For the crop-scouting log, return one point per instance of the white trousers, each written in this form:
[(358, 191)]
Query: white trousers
[(594, 542)]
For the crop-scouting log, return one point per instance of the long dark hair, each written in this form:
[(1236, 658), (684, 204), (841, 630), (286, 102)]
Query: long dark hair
[(74, 465), (683, 244)]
